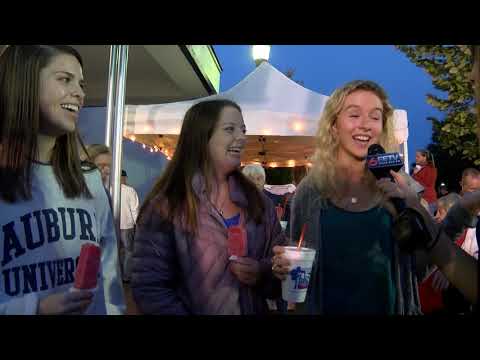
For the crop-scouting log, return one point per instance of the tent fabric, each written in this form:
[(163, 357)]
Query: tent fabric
[(275, 108)]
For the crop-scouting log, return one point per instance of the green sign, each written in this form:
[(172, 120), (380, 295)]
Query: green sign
[(207, 63)]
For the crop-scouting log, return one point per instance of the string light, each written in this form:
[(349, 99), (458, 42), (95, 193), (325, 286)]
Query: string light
[(297, 126), (291, 163), (143, 145), (132, 138)]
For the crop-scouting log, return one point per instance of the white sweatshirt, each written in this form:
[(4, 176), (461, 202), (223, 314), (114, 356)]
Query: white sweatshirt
[(129, 207), (40, 243), (470, 245)]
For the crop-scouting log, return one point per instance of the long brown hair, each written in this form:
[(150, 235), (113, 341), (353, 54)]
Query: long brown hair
[(192, 157), (20, 67)]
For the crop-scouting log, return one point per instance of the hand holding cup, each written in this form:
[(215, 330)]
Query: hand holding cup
[(280, 264)]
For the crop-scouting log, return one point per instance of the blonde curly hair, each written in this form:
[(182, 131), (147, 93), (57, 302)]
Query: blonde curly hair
[(324, 171)]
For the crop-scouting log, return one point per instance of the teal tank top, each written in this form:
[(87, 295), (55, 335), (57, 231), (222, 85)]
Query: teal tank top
[(358, 262)]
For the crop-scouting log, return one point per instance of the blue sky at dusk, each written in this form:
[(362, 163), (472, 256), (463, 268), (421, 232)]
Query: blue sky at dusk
[(322, 68)]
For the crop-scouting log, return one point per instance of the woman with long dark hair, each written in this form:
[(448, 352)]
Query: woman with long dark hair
[(201, 205), (50, 204)]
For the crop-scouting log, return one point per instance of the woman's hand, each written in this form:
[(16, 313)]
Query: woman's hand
[(397, 188), (65, 303), (280, 264), (247, 270), (390, 189)]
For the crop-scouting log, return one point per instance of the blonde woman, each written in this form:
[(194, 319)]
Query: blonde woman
[(358, 268)]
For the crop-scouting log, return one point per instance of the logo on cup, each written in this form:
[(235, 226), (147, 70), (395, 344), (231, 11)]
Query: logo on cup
[(300, 277)]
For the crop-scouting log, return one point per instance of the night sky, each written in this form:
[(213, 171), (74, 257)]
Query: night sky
[(322, 68)]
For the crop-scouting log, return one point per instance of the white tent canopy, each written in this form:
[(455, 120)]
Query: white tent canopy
[(275, 109)]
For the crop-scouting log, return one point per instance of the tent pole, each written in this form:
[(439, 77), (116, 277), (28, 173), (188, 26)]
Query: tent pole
[(115, 118), (112, 92)]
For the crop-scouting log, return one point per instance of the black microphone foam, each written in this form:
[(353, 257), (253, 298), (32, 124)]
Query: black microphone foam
[(375, 149)]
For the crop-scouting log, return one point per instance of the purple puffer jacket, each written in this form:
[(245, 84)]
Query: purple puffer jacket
[(177, 274)]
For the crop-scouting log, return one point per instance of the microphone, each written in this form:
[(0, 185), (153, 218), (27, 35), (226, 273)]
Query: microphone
[(409, 229), (380, 164)]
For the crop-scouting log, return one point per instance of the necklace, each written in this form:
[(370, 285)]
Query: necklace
[(347, 202), (219, 209)]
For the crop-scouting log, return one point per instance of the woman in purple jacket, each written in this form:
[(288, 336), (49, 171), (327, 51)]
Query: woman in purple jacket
[(182, 263)]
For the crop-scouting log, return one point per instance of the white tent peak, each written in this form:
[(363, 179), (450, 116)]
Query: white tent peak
[(268, 89), (272, 104)]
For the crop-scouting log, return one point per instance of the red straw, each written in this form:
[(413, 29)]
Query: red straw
[(302, 236)]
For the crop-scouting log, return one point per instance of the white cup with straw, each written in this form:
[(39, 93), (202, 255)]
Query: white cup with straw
[(295, 286)]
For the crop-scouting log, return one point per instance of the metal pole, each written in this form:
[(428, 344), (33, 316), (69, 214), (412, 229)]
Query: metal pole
[(405, 157), (117, 134), (112, 92)]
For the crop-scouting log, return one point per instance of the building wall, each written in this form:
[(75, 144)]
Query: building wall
[(142, 166)]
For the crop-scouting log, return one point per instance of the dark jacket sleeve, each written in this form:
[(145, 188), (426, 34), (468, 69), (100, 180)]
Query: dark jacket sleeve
[(268, 285), (155, 268), (457, 219)]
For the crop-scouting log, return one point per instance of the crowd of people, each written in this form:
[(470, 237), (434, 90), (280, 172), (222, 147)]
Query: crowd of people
[(174, 249)]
